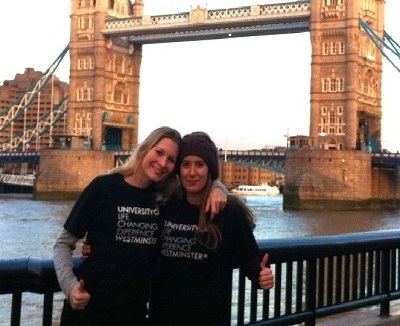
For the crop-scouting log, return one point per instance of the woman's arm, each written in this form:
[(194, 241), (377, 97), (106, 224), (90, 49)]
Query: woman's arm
[(73, 289), (63, 264)]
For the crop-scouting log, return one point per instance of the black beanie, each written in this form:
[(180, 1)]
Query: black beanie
[(199, 144)]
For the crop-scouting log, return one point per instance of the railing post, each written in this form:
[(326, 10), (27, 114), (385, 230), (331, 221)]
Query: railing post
[(16, 309), (253, 302), (241, 295), (48, 309), (311, 289), (385, 282)]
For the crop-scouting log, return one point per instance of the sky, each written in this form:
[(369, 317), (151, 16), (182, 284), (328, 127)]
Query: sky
[(238, 90)]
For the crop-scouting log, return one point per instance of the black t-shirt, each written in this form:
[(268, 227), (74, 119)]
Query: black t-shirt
[(194, 283), (122, 224)]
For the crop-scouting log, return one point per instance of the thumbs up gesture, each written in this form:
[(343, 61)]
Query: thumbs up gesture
[(79, 297), (266, 278)]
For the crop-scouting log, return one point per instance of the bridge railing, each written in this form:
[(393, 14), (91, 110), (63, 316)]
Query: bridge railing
[(201, 23), (254, 152), (314, 277), (296, 9)]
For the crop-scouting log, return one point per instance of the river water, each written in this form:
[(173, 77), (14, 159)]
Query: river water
[(29, 228)]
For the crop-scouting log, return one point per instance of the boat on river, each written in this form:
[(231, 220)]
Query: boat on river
[(15, 183), (262, 190)]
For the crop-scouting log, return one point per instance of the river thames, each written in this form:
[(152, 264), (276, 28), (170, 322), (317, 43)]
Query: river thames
[(29, 228)]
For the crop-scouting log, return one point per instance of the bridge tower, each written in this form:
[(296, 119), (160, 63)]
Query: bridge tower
[(345, 114), (346, 72), (103, 108)]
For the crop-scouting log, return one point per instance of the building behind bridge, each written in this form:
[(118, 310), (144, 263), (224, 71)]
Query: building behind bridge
[(233, 175)]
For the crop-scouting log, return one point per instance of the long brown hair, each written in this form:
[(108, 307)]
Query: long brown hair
[(208, 232), (166, 187)]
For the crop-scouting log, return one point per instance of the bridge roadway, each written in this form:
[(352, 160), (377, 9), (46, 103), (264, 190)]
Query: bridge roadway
[(19, 157)]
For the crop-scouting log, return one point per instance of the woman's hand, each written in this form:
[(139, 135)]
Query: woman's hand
[(86, 250), (79, 297), (266, 278)]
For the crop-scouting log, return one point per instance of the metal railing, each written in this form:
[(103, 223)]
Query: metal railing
[(322, 276), (315, 277)]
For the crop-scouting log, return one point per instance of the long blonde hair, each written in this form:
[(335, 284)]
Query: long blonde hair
[(168, 186)]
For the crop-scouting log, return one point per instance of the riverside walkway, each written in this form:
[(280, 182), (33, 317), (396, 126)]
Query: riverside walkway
[(363, 317)]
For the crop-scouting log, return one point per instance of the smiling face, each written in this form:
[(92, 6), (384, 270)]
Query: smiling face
[(158, 162), (194, 176)]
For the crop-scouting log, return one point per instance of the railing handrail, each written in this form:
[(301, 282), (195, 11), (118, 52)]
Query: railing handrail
[(314, 277)]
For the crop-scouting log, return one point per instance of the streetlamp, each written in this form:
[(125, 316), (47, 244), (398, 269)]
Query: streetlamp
[(287, 138)]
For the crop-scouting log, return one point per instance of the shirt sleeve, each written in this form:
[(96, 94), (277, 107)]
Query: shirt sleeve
[(63, 263), (220, 185), (84, 210)]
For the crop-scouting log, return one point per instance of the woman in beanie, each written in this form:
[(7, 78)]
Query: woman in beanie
[(119, 215), (194, 279)]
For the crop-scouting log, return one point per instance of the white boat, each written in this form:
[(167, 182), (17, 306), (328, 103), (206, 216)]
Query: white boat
[(18, 180), (263, 190)]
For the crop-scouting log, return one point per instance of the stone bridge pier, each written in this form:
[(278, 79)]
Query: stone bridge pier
[(338, 180)]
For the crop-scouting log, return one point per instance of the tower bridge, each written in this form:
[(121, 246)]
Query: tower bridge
[(102, 112)]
